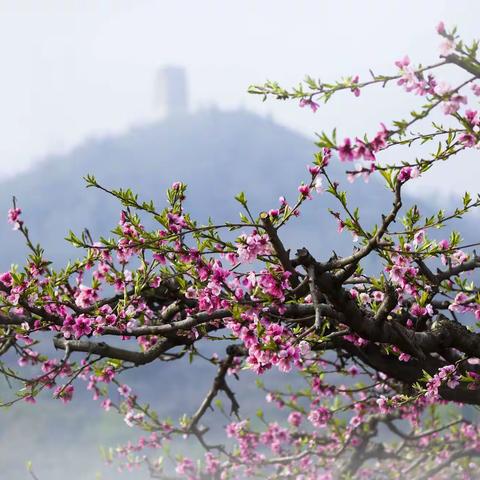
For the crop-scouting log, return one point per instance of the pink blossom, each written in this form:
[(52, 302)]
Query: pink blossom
[(468, 139), (124, 390), (458, 258), (309, 102), (460, 303), (406, 173), (397, 273), (273, 286), (380, 139), (355, 421), (326, 155), (472, 117), (454, 103), (418, 311), (476, 89), (175, 222), (404, 357), (107, 375), (65, 394), (249, 247), (304, 347), (345, 151), (442, 89), (160, 258), (363, 150), (319, 417), (85, 296), (68, 325), (404, 62), (419, 237), (353, 370), (446, 47), (212, 464), (13, 218), (444, 244), (30, 399), (364, 298), (294, 419), (83, 326), (384, 404), (378, 296), (318, 185), (304, 191), (185, 467), (7, 279), (445, 374), (131, 417), (355, 90)]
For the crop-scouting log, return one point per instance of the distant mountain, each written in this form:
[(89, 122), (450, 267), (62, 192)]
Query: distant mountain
[(218, 154)]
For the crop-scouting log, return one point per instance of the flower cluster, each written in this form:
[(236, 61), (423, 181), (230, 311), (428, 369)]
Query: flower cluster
[(365, 150)]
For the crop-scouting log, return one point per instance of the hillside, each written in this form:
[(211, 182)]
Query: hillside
[(216, 153)]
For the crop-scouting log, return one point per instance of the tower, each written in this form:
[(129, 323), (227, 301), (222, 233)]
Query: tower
[(171, 92)]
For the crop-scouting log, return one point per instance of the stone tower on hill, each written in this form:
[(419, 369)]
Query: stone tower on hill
[(171, 92)]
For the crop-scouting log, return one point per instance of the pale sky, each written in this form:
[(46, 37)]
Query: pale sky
[(72, 70)]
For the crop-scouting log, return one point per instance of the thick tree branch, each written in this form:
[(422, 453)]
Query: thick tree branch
[(219, 383), (374, 241), (282, 254), (107, 351)]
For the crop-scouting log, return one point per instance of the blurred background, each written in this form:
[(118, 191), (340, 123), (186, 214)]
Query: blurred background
[(142, 93)]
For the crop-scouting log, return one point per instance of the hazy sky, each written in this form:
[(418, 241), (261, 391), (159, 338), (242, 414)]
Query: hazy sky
[(77, 69)]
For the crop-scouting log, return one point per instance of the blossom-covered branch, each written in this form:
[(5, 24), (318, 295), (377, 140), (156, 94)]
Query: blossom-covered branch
[(384, 338)]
